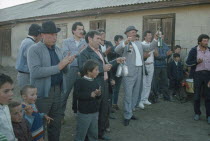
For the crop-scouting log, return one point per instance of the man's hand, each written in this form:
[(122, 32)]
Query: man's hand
[(120, 60), (199, 60), (146, 55), (107, 67), (208, 84), (108, 50), (169, 53), (48, 119), (112, 82), (67, 60), (128, 40)]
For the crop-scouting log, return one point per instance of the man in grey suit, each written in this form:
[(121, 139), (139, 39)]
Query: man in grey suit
[(73, 45), (46, 66), (134, 53)]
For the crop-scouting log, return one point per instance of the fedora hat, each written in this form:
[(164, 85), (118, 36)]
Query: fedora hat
[(130, 28), (49, 27)]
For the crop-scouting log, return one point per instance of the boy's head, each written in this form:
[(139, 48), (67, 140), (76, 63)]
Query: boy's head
[(117, 39), (90, 68), (176, 57), (29, 94), (16, 111), (178, 49), (6, 89)]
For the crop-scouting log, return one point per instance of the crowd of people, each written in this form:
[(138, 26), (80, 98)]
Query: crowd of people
[(86, 65)]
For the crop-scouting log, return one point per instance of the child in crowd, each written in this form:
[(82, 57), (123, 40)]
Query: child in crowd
[(6, 93), (35, 119), (20, 125), (175, 74), (87, 92)]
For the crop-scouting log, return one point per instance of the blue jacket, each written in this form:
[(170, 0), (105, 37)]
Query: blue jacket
[(21, 63), (160, 60), (175, 72), (192, 60)]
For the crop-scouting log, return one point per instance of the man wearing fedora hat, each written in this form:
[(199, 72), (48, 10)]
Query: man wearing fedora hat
[(46, 66), (23, 76), (134, 52)]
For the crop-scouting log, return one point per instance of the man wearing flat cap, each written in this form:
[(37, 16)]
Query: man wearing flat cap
[(46, 66), (23, 76), (134, 52)]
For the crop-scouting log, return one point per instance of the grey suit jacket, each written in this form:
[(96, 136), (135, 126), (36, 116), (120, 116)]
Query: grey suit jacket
[(69, 45), (131, 57), (40, 68)]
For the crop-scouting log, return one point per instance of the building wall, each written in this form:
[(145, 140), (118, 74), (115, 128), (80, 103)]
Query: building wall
[(190, 22)]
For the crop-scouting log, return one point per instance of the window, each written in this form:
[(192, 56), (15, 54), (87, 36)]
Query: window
[(167, 24), (99, 24), (62, 34), (5, 42)]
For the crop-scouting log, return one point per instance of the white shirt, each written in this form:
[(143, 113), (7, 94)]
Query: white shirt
[(151, 58), (77, 43), (138, 55), (6, 124), (103, 49)]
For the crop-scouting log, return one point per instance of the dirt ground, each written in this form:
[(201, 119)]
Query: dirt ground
[(163, 121)]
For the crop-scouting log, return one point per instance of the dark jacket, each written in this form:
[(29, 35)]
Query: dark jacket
[(111, 54), (82, 100), (175, 72), (192, 60), (87, 54)]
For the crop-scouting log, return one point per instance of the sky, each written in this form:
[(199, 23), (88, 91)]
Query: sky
[(9, 3)]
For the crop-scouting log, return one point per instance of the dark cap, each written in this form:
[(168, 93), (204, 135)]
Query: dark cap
[(130, 28), (34, 30)]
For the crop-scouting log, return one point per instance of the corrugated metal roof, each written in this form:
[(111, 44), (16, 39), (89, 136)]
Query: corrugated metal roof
[(51, 7)]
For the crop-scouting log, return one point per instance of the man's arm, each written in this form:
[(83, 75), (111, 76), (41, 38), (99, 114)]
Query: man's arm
[(191, 59)]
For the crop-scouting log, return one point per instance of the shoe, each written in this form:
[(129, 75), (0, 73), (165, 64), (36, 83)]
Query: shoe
[(106, 138), (134, 118), (196, 117), (147, 102), (208, 120), (141, 105), (126, 122)]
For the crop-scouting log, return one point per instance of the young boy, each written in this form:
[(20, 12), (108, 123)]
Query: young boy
[(20, 126), (35, 119), (175, 73), (87, 92), (6, 93)]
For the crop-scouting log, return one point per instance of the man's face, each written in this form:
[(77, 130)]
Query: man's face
[(38, 38), (177, 59), (148, 37), (16, 114), (95, 41), (49, 39), (79, 31), (6, 93), (118, 42), (132, 34), (103, 36), (204, 43)]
